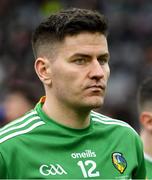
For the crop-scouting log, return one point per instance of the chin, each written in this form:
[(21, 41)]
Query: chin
[(91, 102), (96, 104)]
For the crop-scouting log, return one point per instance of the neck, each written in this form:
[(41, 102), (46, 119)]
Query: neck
[(67, 116), (147, 142)]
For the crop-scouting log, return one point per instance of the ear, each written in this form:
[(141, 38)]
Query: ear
[(146, 120), (42, 68)]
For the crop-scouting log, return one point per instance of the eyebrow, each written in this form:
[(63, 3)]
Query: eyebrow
[(105, 55)]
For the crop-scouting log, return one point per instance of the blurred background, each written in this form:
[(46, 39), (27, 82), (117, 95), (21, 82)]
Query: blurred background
[(130, 45)]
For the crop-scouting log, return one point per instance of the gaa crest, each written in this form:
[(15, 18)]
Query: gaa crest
[(119, 162)]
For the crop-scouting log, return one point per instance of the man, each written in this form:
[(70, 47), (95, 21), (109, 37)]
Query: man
[(145, 117), (62, 138)]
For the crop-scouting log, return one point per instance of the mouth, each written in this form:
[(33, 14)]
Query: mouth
[(96, 88), (100, 87)]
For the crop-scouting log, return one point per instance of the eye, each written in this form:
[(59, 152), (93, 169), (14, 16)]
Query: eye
[(103, 60), (80, 61)]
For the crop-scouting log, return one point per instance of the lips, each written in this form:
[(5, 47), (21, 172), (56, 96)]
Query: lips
[(99, 87), (96, 89)]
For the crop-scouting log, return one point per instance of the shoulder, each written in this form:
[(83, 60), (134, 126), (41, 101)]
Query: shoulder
[(20, 126), (111, 123)]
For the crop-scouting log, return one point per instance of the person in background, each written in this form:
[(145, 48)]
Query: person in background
[(145, 118), (62, 137), (20, 97)]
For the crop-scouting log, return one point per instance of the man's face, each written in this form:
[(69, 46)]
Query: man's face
[(80, 71)]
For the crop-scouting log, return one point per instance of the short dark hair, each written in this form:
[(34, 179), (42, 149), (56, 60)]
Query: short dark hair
[(67, 22), (145, 93)]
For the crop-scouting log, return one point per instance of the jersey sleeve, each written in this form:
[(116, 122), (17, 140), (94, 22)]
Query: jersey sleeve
[(2, 167), (140, 171)]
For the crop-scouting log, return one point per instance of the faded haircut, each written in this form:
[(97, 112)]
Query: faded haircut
[(66, 23)]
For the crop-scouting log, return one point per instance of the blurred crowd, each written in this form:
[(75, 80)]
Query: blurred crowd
[(130, 45)]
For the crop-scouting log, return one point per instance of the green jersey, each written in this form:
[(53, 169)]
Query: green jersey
[(37, 147), (148, 163)]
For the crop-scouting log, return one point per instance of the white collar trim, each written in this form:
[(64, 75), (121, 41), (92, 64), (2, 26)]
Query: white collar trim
[(148, 157)]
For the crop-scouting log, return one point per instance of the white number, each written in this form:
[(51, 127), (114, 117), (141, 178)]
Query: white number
[(90, 172), (80, 163), (92, 168)]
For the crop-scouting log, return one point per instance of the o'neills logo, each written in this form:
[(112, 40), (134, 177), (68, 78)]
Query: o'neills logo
[(84, 154)]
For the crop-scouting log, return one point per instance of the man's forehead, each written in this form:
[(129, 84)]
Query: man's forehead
[(85, 42), (85, 39)]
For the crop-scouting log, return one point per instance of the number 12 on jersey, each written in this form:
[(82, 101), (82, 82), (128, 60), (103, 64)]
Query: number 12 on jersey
[(88, 168)]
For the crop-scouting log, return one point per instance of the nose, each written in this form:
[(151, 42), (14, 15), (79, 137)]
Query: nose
[(96, 70)]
